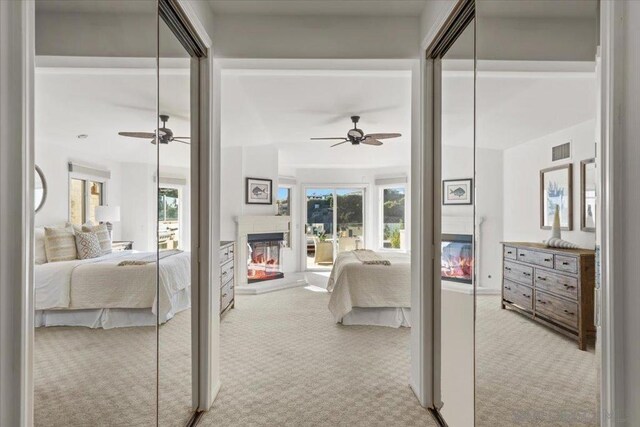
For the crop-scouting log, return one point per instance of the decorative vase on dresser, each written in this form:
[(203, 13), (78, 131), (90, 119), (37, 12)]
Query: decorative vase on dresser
[(227, 278), (552, 286)]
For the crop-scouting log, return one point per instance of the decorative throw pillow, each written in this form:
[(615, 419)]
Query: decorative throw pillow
[(88, 245), (104, 237), (59, 244)]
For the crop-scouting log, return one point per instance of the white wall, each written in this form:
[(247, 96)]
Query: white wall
[(263, 36), (458, 162), (522, 165)]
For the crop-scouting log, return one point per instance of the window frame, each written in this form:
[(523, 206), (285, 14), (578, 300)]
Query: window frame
[(290, 191), (86, 197), (380, 221)]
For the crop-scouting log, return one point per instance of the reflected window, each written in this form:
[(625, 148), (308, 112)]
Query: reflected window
[(84, 196), (283, 201), (393, 217), (168, 218)]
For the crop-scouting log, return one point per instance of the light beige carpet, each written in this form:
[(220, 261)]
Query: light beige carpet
[(529, 375), (285, 363)]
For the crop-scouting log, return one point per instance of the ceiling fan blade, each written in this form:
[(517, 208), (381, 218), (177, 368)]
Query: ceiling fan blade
[(371, 141), (338, 143), (145, 135), (182, 137), (383, 135), (183, 142), (337, 137)]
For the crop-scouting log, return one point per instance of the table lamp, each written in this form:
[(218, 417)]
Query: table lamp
[(107, 215)]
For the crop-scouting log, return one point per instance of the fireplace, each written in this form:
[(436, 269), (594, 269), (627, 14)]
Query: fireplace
[(456, 263), (263, 256)]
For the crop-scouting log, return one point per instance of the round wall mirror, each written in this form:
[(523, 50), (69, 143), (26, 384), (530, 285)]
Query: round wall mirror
[(40, 185)]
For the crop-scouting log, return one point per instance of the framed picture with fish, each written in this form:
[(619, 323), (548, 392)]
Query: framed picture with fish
[(259, 191), (457, 191)]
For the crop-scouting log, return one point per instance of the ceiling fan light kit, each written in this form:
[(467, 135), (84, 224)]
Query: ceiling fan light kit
[(164, 134), (356, 136)]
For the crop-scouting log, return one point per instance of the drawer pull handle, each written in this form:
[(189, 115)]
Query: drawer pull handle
[(569, 312), (508, 268), (565, 263), (509, 252), (547, 259), (541, 302), (231, 268), (507, 288), (526, 296), (542, 278), (568, 286), (526, 274), (224, 273), (523, 255), (224, 295)]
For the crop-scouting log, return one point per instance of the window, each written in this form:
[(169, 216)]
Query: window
[(283, 201), (168, 218), (393, 217), (84, 196)]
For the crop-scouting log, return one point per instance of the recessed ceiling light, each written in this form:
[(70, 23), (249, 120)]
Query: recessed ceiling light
[(83, 136)]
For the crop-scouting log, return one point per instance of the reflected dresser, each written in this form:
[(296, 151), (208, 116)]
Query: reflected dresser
[(552, 286), (227, 276)]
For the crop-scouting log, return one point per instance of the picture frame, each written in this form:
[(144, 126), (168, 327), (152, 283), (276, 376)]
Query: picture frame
[(258, 191), (457, 191), (556, 188), (588, 195)]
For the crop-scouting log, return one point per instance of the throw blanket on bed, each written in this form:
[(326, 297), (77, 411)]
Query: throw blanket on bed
[(368, 257), (354, 284), (150, 259)]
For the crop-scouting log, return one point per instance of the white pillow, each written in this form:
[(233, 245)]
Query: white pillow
[(87, 245), (60, 244), (104, 237), (39, 253)]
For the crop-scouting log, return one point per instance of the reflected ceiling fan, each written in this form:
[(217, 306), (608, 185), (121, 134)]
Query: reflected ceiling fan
[(356, 136), (165, 135)]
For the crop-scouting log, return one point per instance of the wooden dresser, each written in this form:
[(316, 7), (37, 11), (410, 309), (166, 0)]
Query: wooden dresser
[(551, 286), (227, 276)]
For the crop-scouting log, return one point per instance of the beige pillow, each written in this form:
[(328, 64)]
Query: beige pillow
[(88, 245), (104, 238), (60, 244), (39, 253)]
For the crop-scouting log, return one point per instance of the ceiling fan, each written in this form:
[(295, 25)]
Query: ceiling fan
[(165, 135), (356, 136)]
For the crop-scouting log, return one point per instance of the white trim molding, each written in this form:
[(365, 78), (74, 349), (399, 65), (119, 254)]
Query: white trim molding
[(17, 52)]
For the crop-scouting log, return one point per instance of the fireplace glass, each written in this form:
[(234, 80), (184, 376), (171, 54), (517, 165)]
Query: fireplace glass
[(457, 258), (263, 260)]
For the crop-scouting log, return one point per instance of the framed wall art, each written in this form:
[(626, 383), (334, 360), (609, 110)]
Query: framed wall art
[(258, 191), (457, 191)]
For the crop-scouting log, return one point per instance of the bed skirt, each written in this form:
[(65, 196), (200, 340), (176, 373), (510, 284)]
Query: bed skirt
[(393, 317), (108, 318)]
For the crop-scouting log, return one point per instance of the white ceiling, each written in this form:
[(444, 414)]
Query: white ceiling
[(286, 108), (537, 9), (96, 6), (102, 102), (514, 107), (320, 7)]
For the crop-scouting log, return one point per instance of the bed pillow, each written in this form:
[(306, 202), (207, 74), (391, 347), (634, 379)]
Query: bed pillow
[(59, 244), (87, 245), (104, 238), (39, 253)]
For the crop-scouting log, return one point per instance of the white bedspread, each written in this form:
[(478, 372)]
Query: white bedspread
[(353, 284), (101, 283)]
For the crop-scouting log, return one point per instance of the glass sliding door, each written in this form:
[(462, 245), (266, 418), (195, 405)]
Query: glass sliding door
[(319, 228), (334, 223)]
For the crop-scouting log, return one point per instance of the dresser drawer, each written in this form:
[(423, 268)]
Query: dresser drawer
[(224, 255), (556, 283), (510, 252), (566, 263), (226, 295), (226, 273), (535, 257), (518, 294), (558, 309), (519, 273)]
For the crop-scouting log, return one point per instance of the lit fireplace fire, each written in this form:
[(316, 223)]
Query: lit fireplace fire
[(457, 258), (264, 257)]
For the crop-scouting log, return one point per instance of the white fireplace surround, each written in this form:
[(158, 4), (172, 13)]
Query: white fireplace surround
[(258, 224)]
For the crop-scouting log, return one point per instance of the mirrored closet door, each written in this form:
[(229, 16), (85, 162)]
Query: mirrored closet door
[(95, 272)]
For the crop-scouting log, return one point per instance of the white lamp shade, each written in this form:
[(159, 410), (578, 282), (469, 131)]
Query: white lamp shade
[(108, 213)]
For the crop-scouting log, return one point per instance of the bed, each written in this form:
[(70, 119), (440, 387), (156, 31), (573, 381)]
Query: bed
[(99, 293), (363, 294)]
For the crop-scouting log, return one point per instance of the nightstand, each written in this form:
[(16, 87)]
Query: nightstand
[(121, 245)]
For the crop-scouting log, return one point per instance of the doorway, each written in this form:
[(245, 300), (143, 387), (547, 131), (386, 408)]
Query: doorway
[(334, 223)]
